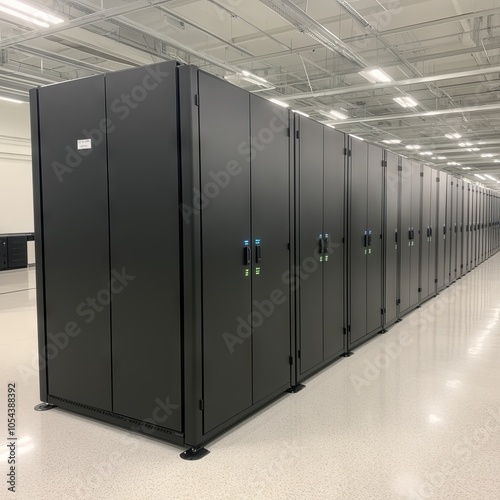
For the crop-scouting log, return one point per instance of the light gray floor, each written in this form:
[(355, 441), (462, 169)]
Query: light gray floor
[(413, 414)]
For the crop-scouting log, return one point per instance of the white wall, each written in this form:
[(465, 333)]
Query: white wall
[(16, 187)]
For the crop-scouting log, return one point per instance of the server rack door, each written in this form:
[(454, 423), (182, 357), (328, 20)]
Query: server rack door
[(460, 200), (470, 251), (441, 230), (481, 225), (434, 233), (406, 233), (416, 233), (374, 284), (392, 238), (271, 236), (426, 233), (226, 261), (454, 230), (310, 178), (75, 235), (474, 227), (449, 239), (333, 266), (358, 240), (466, 226), (145, 239)]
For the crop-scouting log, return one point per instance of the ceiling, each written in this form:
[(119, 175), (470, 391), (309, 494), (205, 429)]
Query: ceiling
[(445, 54)]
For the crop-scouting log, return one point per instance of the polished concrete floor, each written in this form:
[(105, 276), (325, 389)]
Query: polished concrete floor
[(414, 414)]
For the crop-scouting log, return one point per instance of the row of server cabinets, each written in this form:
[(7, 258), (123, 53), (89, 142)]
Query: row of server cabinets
[(202, 250)]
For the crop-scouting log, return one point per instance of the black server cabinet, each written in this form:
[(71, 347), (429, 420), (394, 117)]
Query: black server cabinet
[(441, 242), (3, 253), (74, 241), (460, 228), (391, 239), (365, 249), (410, 235), (17, 251), (244, 250), (143, 177), (320, 165), (427, 242), (450, 218)]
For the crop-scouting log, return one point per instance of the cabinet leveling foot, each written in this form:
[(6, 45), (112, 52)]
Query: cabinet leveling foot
[(194, 454), (44, 407), (382, 331), (348, 354), (296, 388)]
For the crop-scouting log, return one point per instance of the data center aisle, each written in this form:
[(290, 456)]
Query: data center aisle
[(415, 413)]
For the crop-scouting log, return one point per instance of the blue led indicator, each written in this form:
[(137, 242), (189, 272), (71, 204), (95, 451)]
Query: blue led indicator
[(257, 242), (246, 242)]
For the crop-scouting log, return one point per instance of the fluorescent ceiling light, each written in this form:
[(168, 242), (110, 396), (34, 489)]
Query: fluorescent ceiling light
[(392, 141), (375, 75), (427, 153), (442, 158), (252, 76), (466, 168), (338, 114), (356, 137), (487, 155), (490, 177), (497, 161), (8, 99), (29, 13), (453, 136), (406, 101), (473, 149), (414, 147), (454, 163), (252, 80), (328, 125), (300, 113), (480, 177), (279, 103)]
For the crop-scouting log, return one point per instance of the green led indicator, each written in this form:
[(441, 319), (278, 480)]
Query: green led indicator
[(257, 270), (247, 272)]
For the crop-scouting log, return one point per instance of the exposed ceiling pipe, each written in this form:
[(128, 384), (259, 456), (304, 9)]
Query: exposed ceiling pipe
[(95, 17), (309, 26), (398, 83), (426, 114)]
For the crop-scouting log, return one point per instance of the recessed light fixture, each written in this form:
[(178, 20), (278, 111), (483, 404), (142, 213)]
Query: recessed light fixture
[(427, 153), (279, 103), (487, 155), (442, 158), (392, 141), (414, 146), (466, 168), (454, 163), (497, 161), (338, 114), (465, 144), (406, 101), (29, 13), (356, 137), (251, 75), (300, 113), (490, 177), (453, 136), (8, 99), (375, 75), (480, 177)]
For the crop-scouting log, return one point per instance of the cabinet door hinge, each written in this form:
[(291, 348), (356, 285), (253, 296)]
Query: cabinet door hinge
[(202, 404), (345, 331), (419, 290), (290, 359), (197, 99), (298, 354), (297, 134)]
